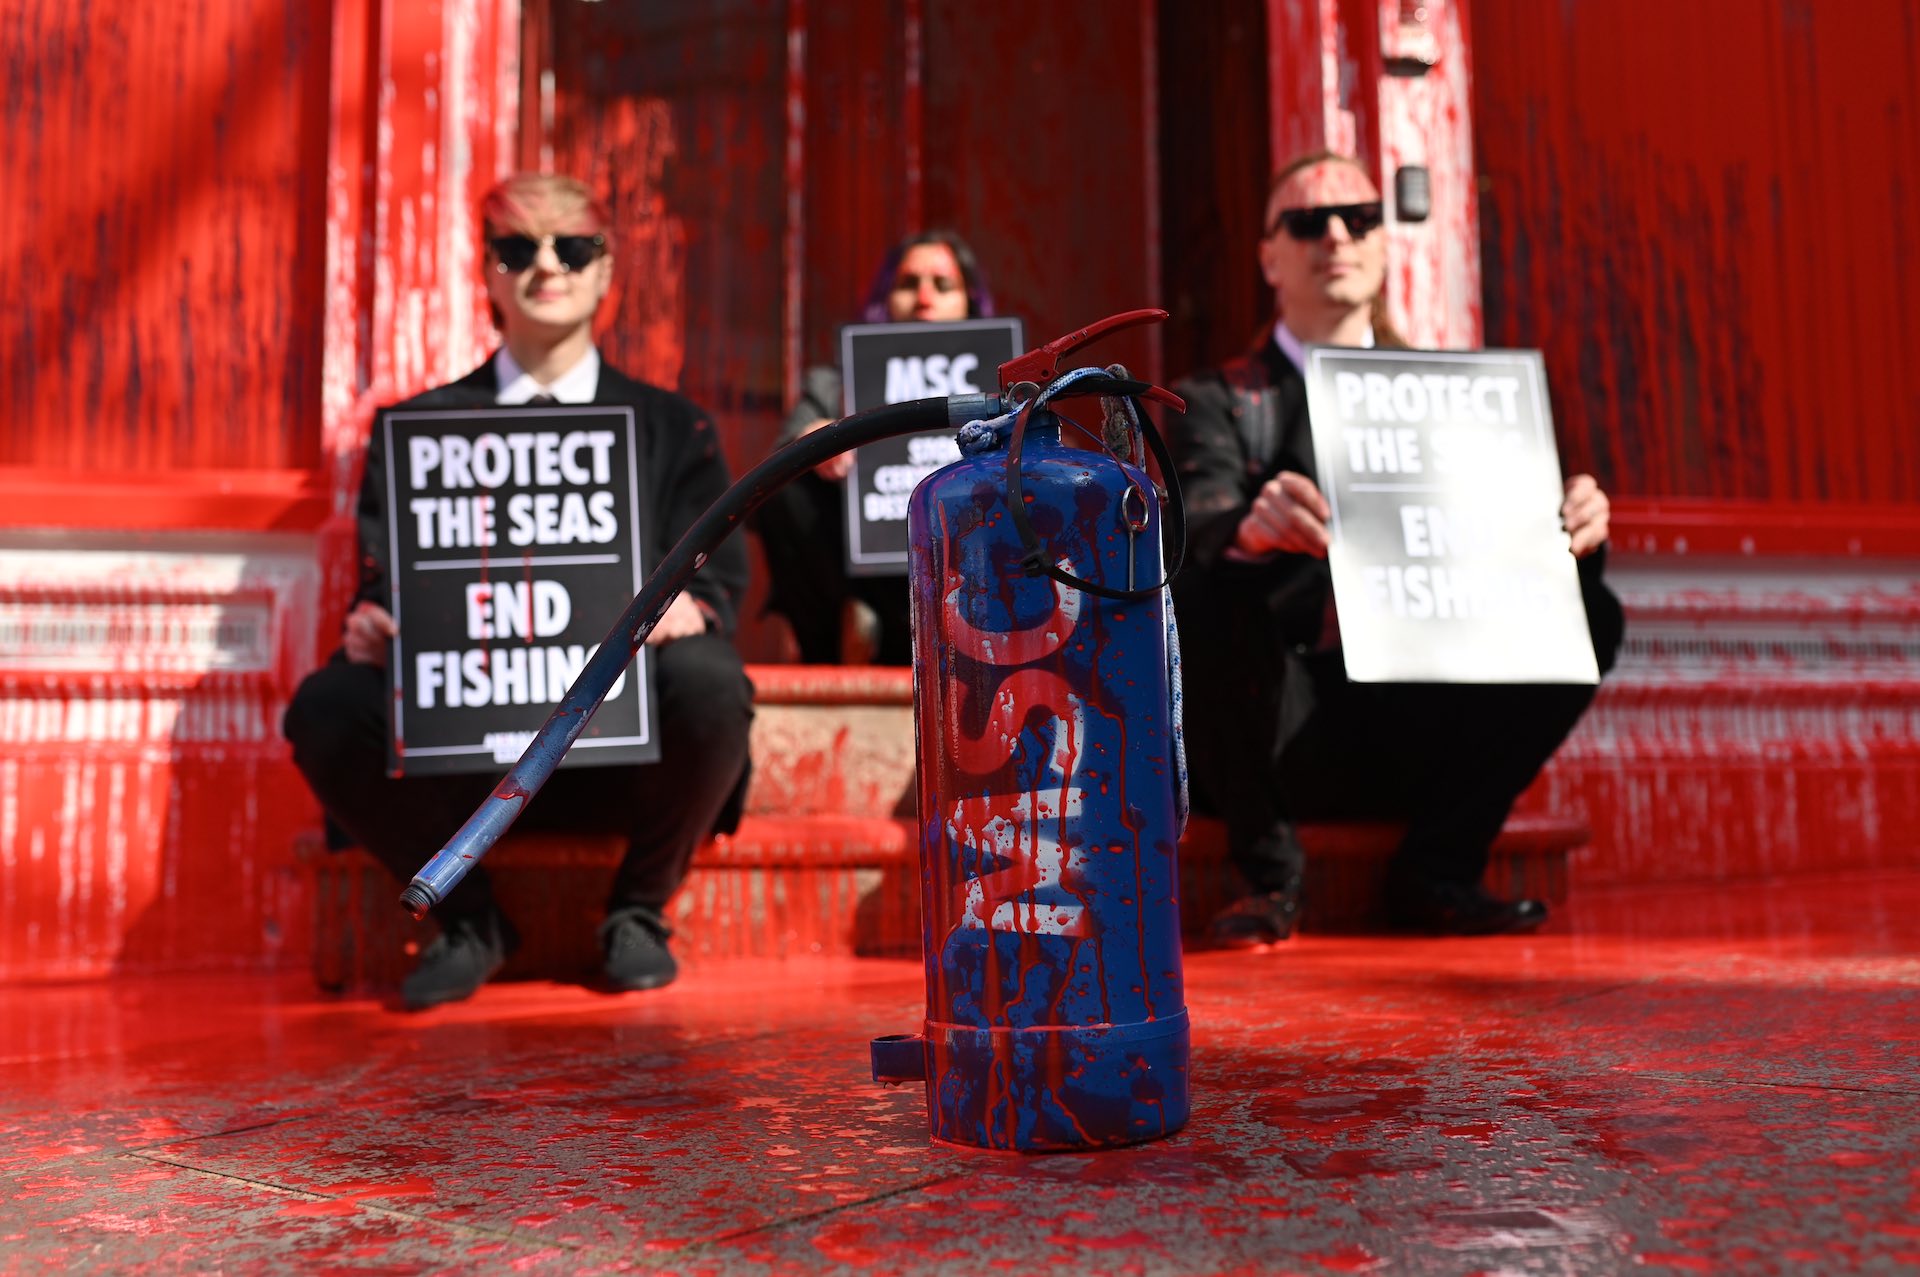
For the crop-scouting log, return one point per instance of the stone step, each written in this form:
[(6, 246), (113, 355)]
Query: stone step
[(825, 884), (832, 739), (826, 860)]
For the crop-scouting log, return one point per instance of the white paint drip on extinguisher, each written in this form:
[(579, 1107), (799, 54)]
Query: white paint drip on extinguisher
[(1036, 899), (1045, 910), (1019, 646), (1033, 899)]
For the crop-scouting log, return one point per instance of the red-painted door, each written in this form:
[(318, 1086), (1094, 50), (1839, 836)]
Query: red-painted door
[(1705, 213), (761, 157)]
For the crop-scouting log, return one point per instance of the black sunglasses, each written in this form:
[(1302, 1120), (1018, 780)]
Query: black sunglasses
[(1309, 224), (514, 253)]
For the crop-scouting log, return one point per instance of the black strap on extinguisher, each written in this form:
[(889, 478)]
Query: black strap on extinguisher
[(1037, 561)]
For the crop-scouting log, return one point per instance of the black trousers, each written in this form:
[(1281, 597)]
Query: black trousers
[(337, 725), (1281, 737), (803, 532)]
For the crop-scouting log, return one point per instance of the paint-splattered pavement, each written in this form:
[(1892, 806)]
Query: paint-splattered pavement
[(1716, 1079)]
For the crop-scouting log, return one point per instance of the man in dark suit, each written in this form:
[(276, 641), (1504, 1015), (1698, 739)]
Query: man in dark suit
[(548, 265), (1276, 732)]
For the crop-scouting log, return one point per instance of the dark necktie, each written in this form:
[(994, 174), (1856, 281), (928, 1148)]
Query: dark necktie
[(541, 400)]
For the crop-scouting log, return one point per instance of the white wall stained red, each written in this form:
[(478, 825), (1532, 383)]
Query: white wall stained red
[(147, 812), (182, 441)]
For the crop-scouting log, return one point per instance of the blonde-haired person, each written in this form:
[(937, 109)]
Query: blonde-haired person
[(1276, 732), (548, 265)]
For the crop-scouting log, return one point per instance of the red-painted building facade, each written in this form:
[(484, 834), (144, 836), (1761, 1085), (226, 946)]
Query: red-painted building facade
[(231, 232)]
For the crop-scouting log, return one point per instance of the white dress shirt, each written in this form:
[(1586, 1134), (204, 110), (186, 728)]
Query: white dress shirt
[(1296, 350), (577, 385)]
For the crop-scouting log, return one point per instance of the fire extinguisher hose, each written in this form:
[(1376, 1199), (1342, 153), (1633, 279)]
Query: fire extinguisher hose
[(510, 797)]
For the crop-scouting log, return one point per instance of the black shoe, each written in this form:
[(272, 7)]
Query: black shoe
[(1449, 909), (635, 942), (1263, 918), (465, 955)]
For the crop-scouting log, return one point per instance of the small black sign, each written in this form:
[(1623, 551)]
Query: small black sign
[(883, 364), (513, 545), (1449, 561)]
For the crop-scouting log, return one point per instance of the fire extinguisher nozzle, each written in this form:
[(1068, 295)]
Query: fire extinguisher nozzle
[(416, 900)]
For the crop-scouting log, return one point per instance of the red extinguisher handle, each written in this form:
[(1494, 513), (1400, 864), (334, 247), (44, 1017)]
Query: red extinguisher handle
[(1042, 365)]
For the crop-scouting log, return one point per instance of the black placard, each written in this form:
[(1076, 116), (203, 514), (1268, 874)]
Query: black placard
[(1449, 561), (882, 364), (514, 542)]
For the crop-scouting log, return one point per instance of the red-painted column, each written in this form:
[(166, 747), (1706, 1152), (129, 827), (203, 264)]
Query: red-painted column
[(1425, 123), (1389, 82), (425, 117)]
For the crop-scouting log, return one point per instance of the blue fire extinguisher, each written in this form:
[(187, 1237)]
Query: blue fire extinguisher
[(1051, 778), (1051, 793)]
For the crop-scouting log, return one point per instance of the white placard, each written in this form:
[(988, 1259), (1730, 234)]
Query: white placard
[(1449, 561)]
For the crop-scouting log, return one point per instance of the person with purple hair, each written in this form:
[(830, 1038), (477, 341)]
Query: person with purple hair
[(931, 277)]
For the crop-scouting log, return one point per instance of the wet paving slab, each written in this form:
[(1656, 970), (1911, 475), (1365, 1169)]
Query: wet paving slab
[(1685, 1080)]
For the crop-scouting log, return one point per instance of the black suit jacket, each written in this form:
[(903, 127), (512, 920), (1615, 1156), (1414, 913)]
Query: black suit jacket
[(1245, 423), (680, 464)]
